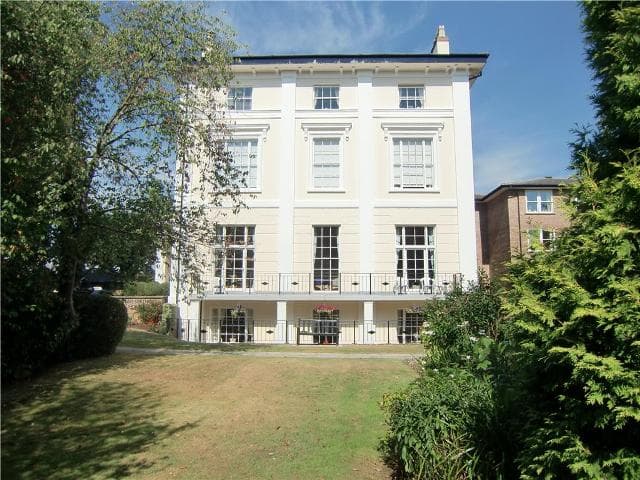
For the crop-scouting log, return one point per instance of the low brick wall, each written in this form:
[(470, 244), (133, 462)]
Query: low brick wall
[(132, 302)]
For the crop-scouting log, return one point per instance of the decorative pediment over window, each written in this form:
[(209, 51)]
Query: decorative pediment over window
[(253, 129), (326, 129), (397, 129)]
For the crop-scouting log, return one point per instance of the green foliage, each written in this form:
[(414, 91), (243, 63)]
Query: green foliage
[(43, 72), (102, 323), (575, 311), (150, 314), (613, 49), (434, 426), (146, 289), (450, 423), (97, 101), (462, 327), (169, 319), (576, 320)]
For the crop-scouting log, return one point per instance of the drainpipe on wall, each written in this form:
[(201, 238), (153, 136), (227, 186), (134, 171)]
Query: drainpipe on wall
[(519, 224)]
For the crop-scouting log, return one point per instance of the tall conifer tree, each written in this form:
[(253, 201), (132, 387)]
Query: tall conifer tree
[(576, 311)]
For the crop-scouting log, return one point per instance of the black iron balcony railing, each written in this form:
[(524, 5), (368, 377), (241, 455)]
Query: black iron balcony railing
[(338, 283)]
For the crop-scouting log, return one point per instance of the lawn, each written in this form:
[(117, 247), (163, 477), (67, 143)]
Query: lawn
[(142, 339), (200, 417)]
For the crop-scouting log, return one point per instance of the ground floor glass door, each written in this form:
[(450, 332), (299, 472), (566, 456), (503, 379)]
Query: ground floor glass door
[(236, 326), (409, 325), (326, 327)]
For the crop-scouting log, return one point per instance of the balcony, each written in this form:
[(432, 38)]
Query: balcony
[(356, 285)]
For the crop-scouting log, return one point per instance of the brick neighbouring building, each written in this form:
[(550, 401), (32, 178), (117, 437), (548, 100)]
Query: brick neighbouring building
[(514, 216)]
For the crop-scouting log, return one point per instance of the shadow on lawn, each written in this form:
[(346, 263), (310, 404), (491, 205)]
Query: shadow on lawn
[(59, 426)]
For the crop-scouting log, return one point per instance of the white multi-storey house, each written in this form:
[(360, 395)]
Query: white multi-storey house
[(360, 194)]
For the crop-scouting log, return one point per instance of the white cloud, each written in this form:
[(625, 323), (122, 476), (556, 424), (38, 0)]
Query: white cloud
[(319, 27), (519, 159)]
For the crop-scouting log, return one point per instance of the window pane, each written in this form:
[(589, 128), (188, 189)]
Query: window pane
[(326, 97), (244, 157), (326, 261), (411, 97), (239, 98), (326, 162), (415, 259)]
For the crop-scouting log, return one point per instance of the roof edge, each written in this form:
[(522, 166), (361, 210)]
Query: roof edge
[(526, 184), (366, 58)]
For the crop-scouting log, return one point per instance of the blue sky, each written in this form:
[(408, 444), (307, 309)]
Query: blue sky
[(534, 90)]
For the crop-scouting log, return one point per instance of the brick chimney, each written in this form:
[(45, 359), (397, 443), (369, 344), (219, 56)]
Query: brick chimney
[(441, 42)]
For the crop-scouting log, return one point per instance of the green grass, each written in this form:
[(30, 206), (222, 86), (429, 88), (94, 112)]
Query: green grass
[(142, 339), (200, 417)]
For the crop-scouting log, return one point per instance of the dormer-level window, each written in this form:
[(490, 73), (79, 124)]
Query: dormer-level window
[(411, 97), (326, 98), (539, 201), (239, 98)]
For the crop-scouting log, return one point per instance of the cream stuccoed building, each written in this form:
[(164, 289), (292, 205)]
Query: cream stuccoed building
[(360, 194)]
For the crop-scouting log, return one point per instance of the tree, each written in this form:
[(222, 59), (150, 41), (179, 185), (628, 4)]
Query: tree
[(614, 54), (43, 72), (107, 111), (575, 311)]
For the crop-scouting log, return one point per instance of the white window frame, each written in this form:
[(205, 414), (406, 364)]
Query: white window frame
[(426, 247), (212, 326), (313, 252), (402, 320), (541, 240), (539, 201), (316, 97), (221, 246), (233, 99), (431, 131), (251, 154), (251, 132), (313, 131), (432, 166), (411, 98), (312, 180)]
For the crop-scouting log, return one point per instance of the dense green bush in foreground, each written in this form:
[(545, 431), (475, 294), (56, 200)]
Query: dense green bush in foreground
[(445, 425), (102, 323)]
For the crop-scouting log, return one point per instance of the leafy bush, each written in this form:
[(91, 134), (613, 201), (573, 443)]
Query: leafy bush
[(34, 324), (146, 289), (169, 315), (462, 328), (150, 314), (450, 423), (436, 426), (575, 323), (102, 322)]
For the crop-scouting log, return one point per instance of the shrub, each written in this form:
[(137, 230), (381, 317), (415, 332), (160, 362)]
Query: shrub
[(150, 314), (435, 426), (102, 322), (146, 289), (169, 315), (452, 423), (462, 328), (31, 332)]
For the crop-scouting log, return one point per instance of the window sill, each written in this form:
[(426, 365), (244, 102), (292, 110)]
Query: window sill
[(326, 190), (415, 190), (250, 190), (540, 213)]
